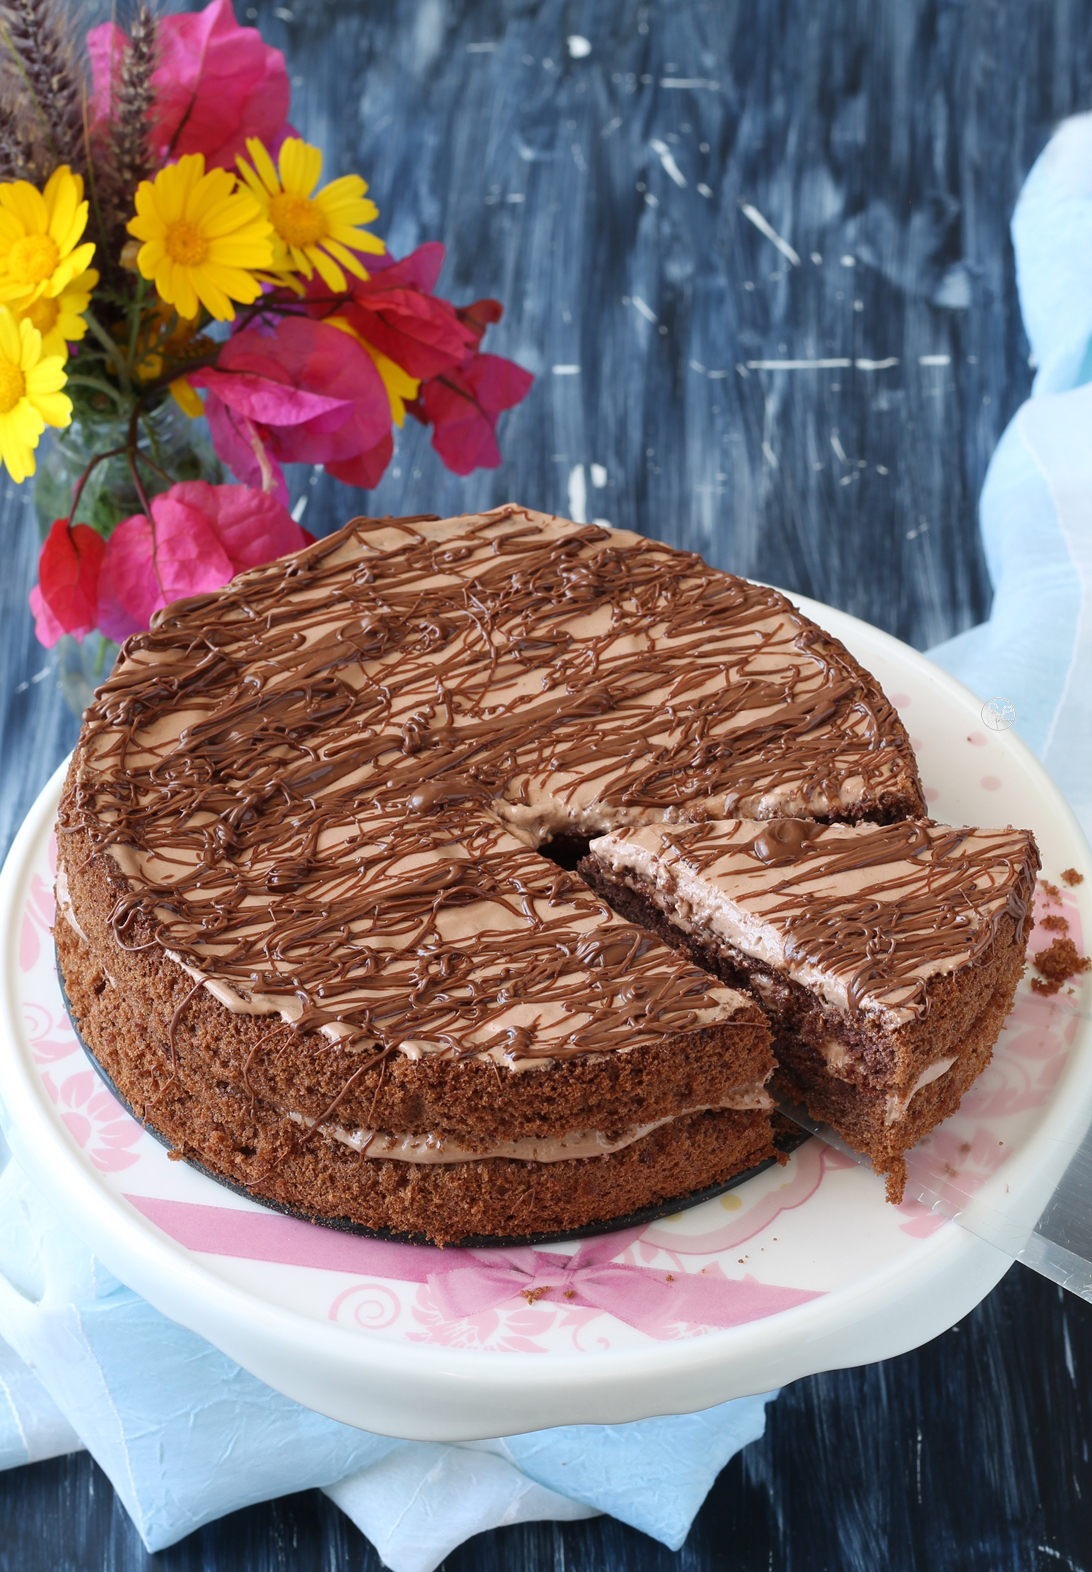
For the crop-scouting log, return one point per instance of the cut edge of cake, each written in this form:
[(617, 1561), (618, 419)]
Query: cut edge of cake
[(879, 1047)]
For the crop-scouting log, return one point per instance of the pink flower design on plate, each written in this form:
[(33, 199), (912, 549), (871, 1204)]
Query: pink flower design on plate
[(38, 918), (51, 1037), (96, 1120)]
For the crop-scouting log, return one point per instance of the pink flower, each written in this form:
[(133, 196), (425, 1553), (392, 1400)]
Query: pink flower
[(215, 83), (65, 597), (307, 394), (199, 537)]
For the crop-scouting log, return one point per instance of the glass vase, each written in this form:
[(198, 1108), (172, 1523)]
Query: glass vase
[(172, 448)]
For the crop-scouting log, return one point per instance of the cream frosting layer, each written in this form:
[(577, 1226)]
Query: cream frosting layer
[(436, 1148)]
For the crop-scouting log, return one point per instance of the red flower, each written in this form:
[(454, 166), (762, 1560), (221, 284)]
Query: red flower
[(307, 393), (462, 407), (215, 84), (65, 598), (462, 392), (198, 538), (394, 310)]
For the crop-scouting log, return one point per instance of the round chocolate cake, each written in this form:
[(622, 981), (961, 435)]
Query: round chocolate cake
[(320, 922)]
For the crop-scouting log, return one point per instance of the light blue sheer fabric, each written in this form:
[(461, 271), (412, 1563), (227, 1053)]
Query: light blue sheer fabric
[(186, 1435), (1036, 509)]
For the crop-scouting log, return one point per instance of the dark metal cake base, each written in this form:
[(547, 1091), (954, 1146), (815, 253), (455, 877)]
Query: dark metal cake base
[(787, 1137)]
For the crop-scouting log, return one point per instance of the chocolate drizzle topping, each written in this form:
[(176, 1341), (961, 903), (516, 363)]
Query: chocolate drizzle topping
[(868, 913), (322, 785)]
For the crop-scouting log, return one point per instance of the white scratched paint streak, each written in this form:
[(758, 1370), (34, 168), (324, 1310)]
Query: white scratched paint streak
[(934, 360), (578, 495), (645, 311), (764, 227), (663, 153), (797, 365)]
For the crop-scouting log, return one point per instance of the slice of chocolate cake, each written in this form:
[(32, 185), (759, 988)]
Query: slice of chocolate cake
[(885, 956)]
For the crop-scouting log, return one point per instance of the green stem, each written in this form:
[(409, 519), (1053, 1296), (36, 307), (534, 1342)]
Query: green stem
[(79, 381), (135, 315), (100, 658), (113, 353)]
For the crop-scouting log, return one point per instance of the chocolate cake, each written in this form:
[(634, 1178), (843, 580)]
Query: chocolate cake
[(315, 923), (885, 956)]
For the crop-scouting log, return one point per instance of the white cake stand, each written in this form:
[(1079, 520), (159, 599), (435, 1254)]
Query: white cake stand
[(800, 1269)]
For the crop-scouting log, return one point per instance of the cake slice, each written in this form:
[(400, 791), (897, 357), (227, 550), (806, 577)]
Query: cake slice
[(885, 956)]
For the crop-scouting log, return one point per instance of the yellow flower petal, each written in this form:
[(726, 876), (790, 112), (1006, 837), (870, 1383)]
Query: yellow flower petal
[(327, 269), (346, 188), (54, 408), (300, 166), (263, 165), (11, 340), (344, 256), (26, 205), (187, 398), (46, 376)]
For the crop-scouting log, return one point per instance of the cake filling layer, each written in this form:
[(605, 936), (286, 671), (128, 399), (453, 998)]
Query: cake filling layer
[(434, 1147)]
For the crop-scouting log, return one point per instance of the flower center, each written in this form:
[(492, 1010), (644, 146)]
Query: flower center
[(186, 244), (32, 259), (13, 386), (43, 314), (298, 220)]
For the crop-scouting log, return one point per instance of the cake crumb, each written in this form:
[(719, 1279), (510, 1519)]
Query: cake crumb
[(1058, 964), (1051, 891), (1056, 923), (532, 1295), (1072, 877)]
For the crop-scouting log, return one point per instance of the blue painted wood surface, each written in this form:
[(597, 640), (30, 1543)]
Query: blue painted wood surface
[(604, 196)]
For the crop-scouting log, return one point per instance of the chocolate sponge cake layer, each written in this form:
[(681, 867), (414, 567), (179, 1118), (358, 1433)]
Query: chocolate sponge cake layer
[(886, 957), (215, 1100)]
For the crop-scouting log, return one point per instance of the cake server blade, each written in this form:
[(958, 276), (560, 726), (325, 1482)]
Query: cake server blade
[(1047, 1229)]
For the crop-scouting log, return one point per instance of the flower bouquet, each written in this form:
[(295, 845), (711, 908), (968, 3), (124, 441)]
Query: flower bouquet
[(168, 251)]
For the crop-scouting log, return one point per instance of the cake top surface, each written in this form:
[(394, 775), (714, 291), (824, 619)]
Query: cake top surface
[(862, 914), (322, 784)]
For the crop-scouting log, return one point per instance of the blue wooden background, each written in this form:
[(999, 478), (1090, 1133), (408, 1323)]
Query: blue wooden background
[(607, 194)]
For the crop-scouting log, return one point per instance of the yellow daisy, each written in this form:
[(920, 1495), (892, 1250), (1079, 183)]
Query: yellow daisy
[(30, 394), (202, 238), (401, 387), (40, 253), (313, 230), (59, 318)]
